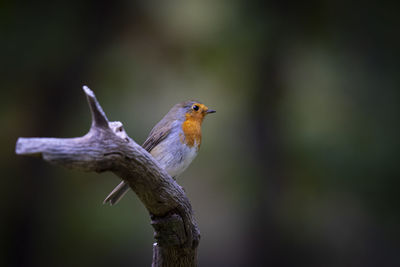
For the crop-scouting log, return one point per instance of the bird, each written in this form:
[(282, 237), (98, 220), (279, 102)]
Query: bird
[(174, 142)]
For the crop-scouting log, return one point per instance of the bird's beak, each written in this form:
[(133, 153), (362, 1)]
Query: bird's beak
[(210, 111)]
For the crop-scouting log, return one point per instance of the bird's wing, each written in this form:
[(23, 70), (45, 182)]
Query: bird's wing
[(157, 134)]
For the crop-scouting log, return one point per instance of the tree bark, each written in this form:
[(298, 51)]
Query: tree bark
[(107, 147)]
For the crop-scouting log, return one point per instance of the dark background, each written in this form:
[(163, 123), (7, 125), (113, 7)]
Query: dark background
[(298, 167)]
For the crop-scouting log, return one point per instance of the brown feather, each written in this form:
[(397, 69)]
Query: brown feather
[(157, 134)]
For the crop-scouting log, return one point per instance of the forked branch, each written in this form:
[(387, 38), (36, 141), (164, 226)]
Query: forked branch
[(107, 147)]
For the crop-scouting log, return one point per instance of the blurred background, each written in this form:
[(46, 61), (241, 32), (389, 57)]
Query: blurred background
[(298, 167)]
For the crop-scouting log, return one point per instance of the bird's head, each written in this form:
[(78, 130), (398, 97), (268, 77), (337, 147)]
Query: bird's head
[(196, 111)]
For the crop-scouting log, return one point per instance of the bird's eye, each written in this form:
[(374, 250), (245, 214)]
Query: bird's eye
[(195, 107)]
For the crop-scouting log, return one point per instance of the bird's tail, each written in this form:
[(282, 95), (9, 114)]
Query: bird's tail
[(117, 194)]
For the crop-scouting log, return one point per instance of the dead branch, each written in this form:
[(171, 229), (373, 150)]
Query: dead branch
[(107, 147)]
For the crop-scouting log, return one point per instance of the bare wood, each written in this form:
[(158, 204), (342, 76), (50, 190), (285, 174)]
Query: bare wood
[(107, 147)]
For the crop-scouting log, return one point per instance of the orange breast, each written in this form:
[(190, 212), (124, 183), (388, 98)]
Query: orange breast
[(192, 130)]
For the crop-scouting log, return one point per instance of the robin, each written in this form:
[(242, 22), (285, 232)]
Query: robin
[(174, 142)]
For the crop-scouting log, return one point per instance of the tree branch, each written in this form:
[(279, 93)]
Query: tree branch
[(107, 147)]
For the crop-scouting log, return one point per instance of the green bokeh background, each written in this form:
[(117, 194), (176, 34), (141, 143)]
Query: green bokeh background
[(298, 167)]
